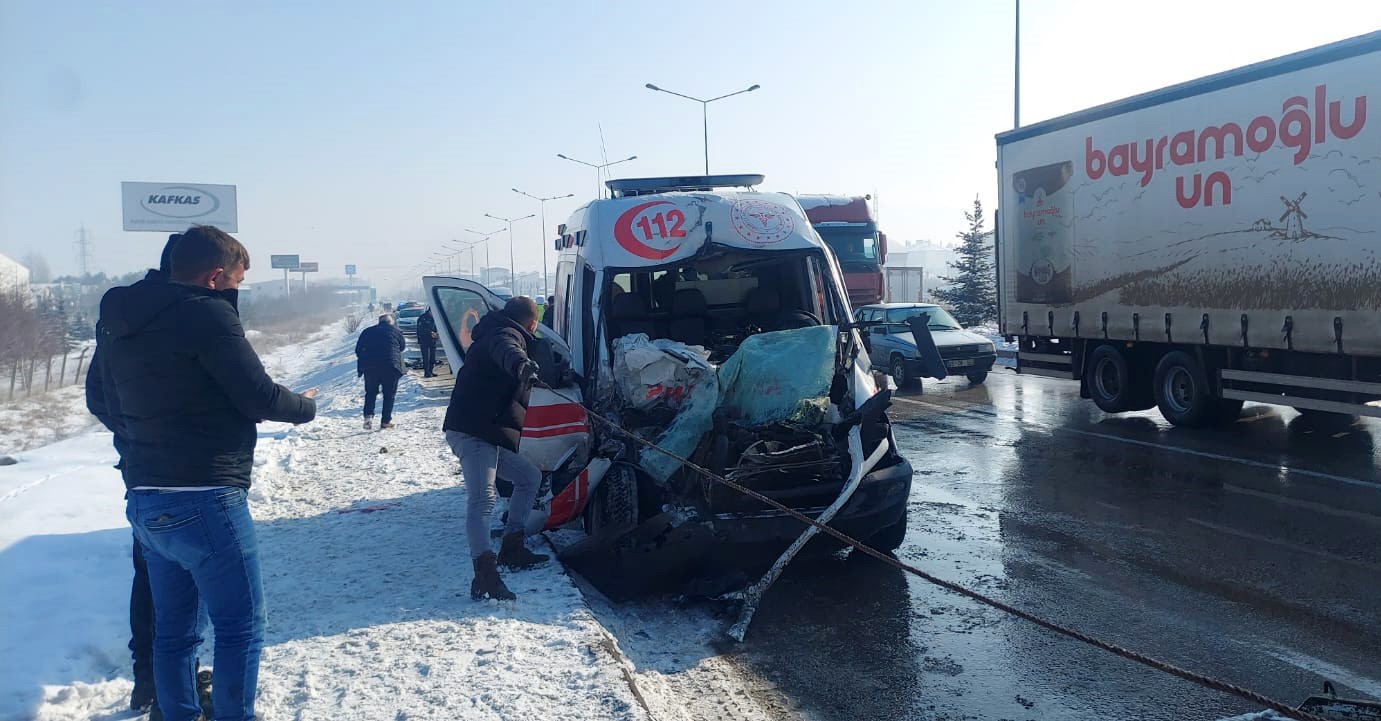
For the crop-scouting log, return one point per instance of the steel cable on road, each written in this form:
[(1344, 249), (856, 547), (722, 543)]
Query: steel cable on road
[(1141, 658)]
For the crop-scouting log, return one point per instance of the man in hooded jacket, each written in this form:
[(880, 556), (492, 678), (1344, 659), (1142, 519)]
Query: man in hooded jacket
[(483, 425), (187, 390)]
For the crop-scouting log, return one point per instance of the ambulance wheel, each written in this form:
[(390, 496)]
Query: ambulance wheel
[(614, 504)]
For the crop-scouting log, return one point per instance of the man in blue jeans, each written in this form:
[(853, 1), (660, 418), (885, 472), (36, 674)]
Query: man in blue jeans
[(483, 425), (189, 389)]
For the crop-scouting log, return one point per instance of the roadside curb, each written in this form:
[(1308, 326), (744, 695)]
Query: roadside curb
[(608, 643)]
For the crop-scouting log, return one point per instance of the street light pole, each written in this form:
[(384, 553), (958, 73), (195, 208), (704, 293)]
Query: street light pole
[(599, 189), (512, 265), (542, 204), (485, 236), (704, 112)]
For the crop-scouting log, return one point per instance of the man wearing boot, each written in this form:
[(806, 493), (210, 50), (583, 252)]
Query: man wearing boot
[(484, 423), (379, 354)]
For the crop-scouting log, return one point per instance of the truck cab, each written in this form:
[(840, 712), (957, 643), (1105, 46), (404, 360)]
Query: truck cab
[(848, 227), (742, 304)]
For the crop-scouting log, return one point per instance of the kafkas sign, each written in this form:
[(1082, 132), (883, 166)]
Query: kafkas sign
[(176, 206)]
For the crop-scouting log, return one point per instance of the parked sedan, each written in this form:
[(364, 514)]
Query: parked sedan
[(894, 348), (407, 319)]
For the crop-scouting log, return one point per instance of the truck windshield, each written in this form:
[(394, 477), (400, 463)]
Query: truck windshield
[(852, 245)]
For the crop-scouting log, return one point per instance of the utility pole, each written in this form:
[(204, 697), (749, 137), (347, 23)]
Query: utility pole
[(84, 251)]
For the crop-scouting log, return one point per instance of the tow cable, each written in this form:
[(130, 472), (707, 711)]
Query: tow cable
[(1165, 666)]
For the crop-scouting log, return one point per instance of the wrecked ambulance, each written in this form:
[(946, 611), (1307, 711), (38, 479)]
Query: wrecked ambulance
[(706, 318)]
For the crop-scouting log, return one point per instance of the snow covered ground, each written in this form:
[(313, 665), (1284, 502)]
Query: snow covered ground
[(366, 574), (34, 421)]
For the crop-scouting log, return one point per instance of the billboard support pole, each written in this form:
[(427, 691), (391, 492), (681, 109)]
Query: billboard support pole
[(287, 284)]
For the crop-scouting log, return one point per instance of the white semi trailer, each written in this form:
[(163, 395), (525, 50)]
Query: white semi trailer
[(1206, 244)]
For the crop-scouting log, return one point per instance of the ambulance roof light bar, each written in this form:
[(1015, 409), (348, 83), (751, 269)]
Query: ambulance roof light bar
[(627, 187)]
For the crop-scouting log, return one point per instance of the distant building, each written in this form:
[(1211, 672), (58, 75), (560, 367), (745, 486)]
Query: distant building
[(931, 257), (14, 277)]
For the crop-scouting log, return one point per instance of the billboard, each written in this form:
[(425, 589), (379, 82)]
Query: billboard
[(176, 206), (350, 269), (311, 267), (284, 262)]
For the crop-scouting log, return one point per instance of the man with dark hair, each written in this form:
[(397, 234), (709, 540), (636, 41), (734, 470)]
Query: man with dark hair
[(426, 342), (379, 358), (483, 425), (99, 402), (187, 390), (548, 315)]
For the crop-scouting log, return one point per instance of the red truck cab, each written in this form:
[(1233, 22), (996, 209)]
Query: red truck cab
[(847, 225)]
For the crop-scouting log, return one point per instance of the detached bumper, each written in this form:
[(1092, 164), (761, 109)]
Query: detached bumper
[(666, 551), (879, 502)]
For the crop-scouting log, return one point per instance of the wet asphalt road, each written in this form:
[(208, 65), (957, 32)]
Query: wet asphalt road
[(1251, 553)]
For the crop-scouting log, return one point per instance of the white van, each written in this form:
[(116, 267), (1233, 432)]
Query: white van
[(699, 271)]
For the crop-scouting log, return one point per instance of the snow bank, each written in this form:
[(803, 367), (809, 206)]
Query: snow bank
[(366, 575)]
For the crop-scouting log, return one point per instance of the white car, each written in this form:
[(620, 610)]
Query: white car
[(407, 318)]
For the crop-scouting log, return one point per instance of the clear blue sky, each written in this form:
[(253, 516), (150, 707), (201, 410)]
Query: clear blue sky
[(369, 132)]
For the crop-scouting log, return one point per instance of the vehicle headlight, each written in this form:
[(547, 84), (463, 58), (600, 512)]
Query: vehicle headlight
[(988, 348)]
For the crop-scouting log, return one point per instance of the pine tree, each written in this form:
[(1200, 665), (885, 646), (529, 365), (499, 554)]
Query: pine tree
[(972, 295)]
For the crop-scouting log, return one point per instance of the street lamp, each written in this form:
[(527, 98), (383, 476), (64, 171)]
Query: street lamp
[(542, 203), (512, 265), (470, 246), (485, 236), (704, 112), (599, 189)]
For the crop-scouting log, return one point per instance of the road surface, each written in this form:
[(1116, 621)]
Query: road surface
[(1251, 553)]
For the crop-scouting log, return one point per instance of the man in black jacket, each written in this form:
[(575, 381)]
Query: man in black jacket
[(426, 341), (379, 358), (186, 389), (484, 423)]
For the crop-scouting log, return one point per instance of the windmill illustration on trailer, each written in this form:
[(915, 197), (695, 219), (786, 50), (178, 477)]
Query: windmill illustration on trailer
[(1293, 218)]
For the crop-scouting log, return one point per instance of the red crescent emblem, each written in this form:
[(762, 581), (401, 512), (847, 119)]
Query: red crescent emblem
[(623, 233)]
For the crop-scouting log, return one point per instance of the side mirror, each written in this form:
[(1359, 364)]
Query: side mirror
[(882, 247)]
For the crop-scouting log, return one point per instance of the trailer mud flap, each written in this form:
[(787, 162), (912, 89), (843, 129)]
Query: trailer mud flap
[(658, 555)]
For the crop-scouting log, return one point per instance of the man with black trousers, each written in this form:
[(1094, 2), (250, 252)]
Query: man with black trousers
[(99, 402), (426, 341), (188, 390), (483, 425), (379, 358)]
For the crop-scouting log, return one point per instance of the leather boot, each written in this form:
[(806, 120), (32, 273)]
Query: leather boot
[(487, 581), (513, 554)]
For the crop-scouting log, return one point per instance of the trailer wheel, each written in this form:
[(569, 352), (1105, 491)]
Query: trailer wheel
[(1112, 385), (615, 502), (1184, 396)]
